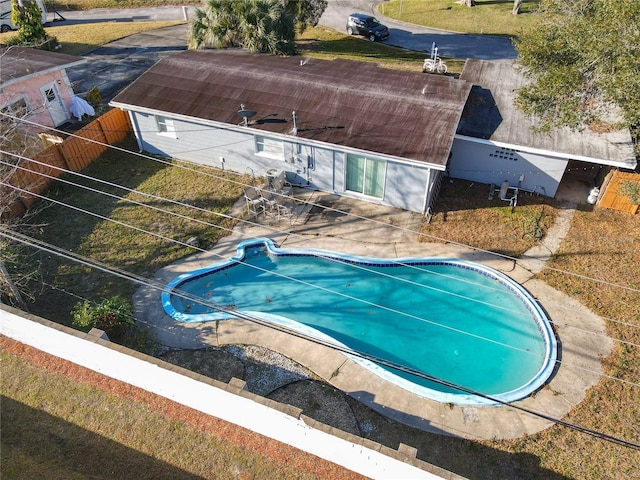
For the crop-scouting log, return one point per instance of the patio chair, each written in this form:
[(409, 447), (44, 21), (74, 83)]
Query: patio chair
[(270, 204), (284, 206), (254, 200)]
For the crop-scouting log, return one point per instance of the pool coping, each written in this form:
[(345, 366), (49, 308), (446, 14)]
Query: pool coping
[(580, 352), (463, 399)]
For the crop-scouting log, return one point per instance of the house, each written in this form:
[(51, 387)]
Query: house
[(34, 85), (496, 142), (347, 127), (357, 129)]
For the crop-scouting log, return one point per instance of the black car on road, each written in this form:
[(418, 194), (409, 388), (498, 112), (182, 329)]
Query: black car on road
[(368, 26)]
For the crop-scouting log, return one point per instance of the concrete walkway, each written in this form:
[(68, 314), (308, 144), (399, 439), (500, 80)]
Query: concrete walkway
[(367, 229)]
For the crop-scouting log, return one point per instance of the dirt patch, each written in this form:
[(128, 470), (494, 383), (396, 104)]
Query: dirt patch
[(210, 362), (262, 369), (275, 376), (320, 401)]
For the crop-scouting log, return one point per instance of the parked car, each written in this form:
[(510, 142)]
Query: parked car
[(368, 26)]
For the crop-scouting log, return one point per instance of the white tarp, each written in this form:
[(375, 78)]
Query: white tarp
[(79, 107)]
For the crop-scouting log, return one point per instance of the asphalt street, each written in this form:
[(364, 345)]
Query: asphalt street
[(113, 66), (419, 38), (404, 35)]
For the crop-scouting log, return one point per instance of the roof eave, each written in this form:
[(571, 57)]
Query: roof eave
[(288, 138), (630, 164), (42, 72)]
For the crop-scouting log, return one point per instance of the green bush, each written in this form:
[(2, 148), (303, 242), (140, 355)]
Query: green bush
[(93, 97), (114, 315), (28, 17)]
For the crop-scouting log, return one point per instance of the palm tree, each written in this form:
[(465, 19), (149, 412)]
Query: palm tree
[(257, 25)]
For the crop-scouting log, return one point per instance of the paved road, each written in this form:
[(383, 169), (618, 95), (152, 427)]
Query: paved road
[(419, 38), (113, 66), (404, 35)]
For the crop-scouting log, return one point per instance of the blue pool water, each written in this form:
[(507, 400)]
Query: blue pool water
[(457, 321)]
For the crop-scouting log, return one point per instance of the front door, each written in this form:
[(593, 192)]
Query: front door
[(53, 103)]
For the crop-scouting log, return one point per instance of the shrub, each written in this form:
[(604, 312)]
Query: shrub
[(27, 16), (93, 97), (114, 315)]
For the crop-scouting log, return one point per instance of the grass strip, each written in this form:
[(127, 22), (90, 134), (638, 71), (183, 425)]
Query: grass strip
[(62, 421), (488, 17)]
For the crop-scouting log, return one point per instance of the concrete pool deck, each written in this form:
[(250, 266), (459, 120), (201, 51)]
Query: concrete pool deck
[(363, 228)]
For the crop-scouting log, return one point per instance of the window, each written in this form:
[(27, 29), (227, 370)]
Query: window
[(165, 126), (365, 175), (50, 94), (268, 147), (18, 108)]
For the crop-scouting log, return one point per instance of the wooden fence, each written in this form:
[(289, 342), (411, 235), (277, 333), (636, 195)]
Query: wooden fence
[(73, 153), (613, 199)]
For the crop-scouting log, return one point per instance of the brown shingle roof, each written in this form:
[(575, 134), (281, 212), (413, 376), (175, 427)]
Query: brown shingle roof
[(354, 104), (17, 63)]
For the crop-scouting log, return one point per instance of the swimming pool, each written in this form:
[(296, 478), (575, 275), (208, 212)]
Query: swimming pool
[(458, 321)]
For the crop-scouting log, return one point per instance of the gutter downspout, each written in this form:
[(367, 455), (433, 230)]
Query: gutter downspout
[(427, 193)]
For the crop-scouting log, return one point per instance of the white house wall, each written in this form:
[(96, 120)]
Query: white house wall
[(493, 164), (321, 168), (200, 144), (322, 171), (406, 185)]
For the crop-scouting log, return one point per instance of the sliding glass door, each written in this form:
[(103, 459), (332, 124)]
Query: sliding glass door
[(365, 175)]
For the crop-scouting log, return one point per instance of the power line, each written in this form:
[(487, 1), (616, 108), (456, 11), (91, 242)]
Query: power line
[(421, 234), (190, 218), (227, 216), (156, 285), (164, 199), (286, 277), (490, 252), (341, 294), (324, 207), (216, 226)]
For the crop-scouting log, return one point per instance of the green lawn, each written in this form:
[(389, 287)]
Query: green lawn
[(116, 245), (326, 43), (489, 17), (83, 38)]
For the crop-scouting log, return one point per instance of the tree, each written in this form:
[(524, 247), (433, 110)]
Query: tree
[(267, 26), (582, 59), (517, 4), (18, 272), (306, 13), (27, 16), (257, 25)]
